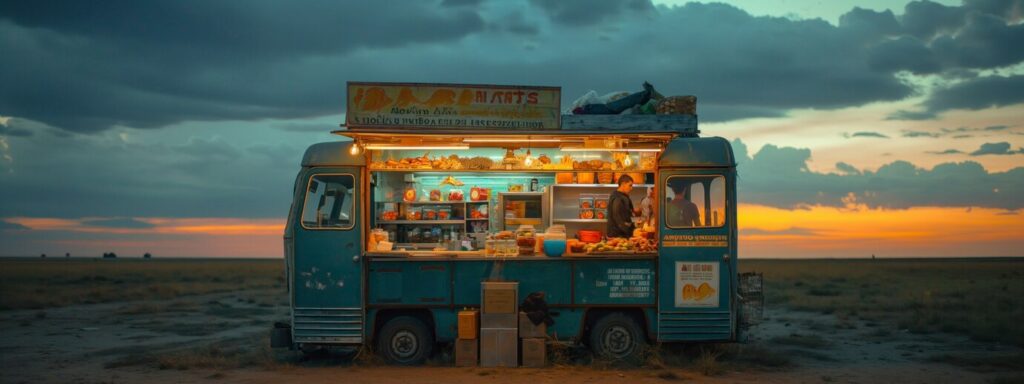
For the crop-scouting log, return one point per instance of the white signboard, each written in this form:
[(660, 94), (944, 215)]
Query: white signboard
[(696, 284)]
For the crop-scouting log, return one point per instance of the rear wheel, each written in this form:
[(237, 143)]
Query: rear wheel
[(405, 340), (618, 336)]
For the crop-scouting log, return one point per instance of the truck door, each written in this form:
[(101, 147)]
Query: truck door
[(697, 263), (327, 282)]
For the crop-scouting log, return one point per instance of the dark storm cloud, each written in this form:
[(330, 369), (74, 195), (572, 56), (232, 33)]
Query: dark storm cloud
[(119, 222), (104, 175), (925, 19), (847, 168), (1001, 148), (9, 226), (779, 177), (793, 231), (910, 133), (86, 67), (866, 134), (89, 66), (946, 152), (980, 93), (11, 129), (905, 53), (590, 12)]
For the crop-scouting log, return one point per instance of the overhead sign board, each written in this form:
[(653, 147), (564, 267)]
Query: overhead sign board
[(452, 106)]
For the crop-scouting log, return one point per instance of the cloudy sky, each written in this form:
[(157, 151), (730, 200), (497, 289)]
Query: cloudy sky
[(862, 127)]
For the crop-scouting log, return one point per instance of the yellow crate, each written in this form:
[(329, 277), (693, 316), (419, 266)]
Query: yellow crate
[(469, 324)]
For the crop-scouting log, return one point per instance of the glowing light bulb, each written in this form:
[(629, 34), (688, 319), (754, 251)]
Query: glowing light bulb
[(354, 149)]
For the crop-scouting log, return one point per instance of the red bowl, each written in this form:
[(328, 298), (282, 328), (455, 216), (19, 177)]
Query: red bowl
[(588, 236)]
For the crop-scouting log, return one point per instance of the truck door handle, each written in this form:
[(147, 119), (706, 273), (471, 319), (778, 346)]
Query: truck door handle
[(355, 259)]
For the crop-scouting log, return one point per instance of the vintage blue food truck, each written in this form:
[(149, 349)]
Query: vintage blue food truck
[(391, 233)]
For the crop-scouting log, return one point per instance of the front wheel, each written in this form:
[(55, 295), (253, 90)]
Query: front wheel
[(405, 340), (618, 337)]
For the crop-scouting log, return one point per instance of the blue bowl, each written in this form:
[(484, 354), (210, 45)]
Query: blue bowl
[(554, 248)]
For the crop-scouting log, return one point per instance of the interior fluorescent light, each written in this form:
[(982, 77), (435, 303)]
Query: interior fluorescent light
[(510, 140), (414, 147), (579, 149)]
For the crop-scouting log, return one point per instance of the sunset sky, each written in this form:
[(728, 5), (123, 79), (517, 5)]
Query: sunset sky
[(891, 128)]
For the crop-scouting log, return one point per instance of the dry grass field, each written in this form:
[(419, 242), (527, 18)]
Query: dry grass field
[(982, 298), (207, 320), (36, 284)]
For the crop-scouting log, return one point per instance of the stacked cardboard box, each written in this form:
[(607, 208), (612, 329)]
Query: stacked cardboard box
[(467, 347), (534, 341), (499, 331)]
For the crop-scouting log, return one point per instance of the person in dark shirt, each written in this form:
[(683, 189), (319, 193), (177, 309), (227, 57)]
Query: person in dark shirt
[(620, 210)]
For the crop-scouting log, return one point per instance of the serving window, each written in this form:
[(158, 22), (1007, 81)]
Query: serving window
[(695, 201)]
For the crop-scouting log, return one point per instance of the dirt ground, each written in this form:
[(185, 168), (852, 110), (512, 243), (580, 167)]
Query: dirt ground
[(221, 338)]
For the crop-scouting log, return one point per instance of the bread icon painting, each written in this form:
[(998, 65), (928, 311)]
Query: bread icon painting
[(372, 99), (700, 293)]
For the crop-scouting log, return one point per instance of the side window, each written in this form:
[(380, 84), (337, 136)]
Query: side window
[(695, 201), (329, 202)]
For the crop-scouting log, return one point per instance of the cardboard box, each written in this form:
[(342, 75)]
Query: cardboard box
[(499, 347), (534, 352), (500, 297), (499, 320), (527, 329), (467, 352), (469, 324)]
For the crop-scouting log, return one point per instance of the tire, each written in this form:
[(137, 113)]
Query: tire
[(405, 340), (618, 337)]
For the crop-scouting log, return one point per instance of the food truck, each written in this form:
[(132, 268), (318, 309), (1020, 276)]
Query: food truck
[(441, 187)]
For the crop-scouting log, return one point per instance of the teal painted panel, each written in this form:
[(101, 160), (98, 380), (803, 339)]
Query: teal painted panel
[(410, 283), (385, 287), (549, 276), (446, 324), (615, 282), (567, 323)]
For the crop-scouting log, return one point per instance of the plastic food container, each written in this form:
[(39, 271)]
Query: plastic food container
[(429, 213), (456, 195), (409, 195), (445, 213), (584, 177), (479, 194), (526, 240), (563, 178), (589, 236), (587, 214), (412, 213), (435, 195), (554, 244), (586, 202), (605, 178)]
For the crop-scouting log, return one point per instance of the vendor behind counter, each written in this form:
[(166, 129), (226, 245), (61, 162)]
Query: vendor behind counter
[(620, 210)]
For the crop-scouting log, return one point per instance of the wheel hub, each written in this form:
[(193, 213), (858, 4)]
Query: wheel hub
[(618, 341), (404, 344)]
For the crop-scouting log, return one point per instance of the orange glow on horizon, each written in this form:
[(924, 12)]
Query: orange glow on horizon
[(860, 231)]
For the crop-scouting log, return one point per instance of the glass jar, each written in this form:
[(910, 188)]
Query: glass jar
[(526, 240)]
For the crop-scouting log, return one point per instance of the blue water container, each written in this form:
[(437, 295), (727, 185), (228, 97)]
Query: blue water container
[(554, 248)]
